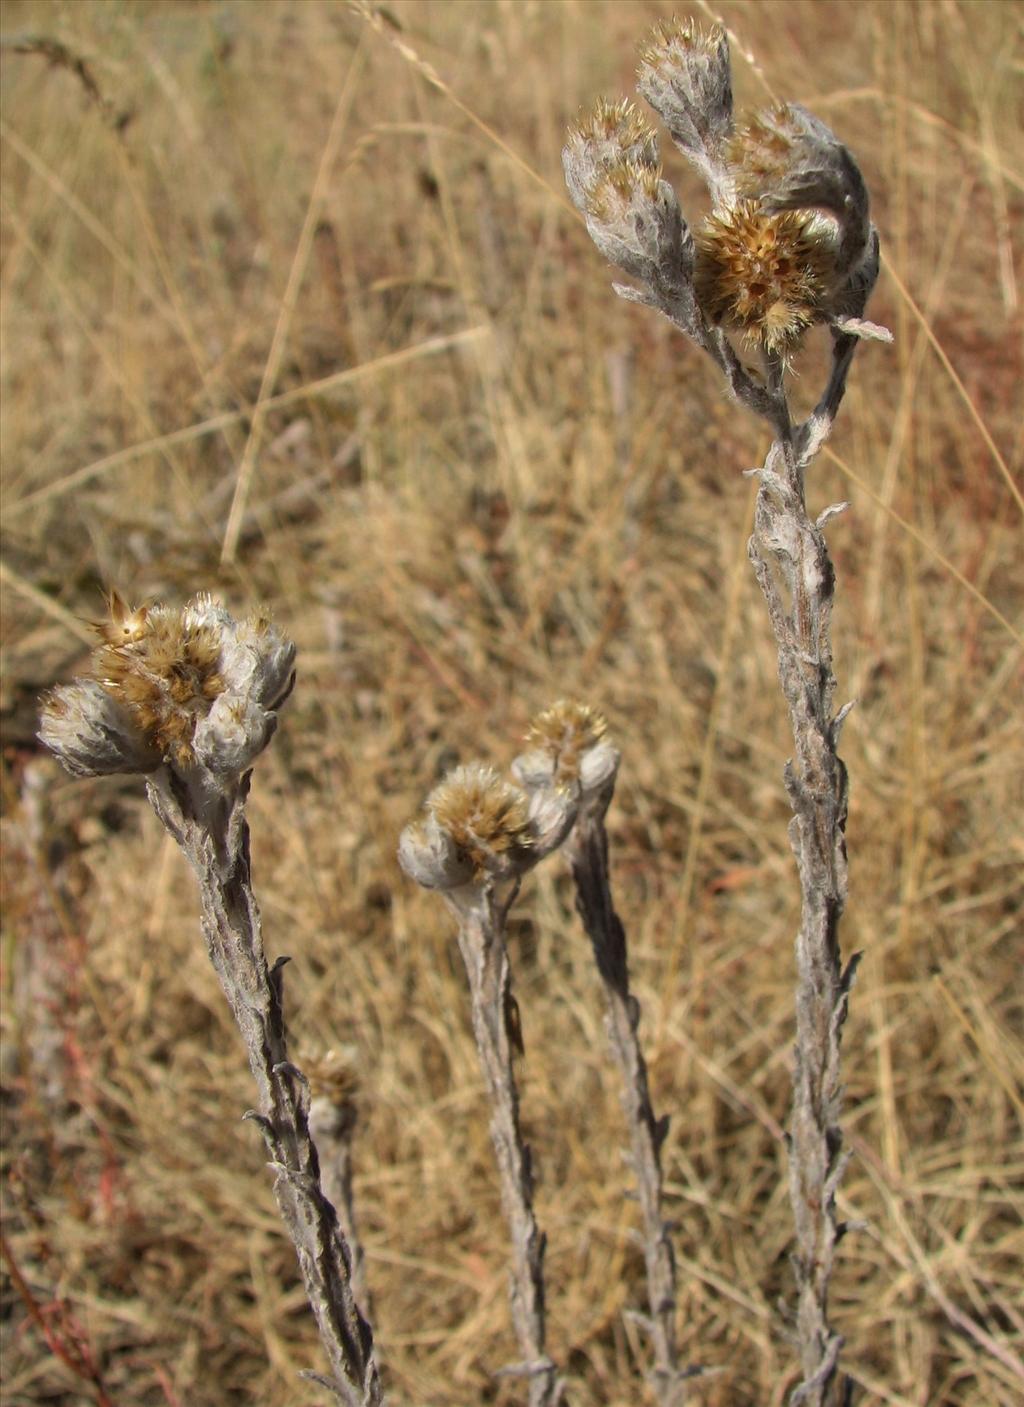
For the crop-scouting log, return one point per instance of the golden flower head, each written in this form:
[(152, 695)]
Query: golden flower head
[(478, 828), (565, 732), (188, 687), (332, 1076), (686, 77), (766, 275), (788, 159), (487, 818), (567, 749)]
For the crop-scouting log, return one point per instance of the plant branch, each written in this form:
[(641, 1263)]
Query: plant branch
[(217, 847), (587, 853), (482, 945)]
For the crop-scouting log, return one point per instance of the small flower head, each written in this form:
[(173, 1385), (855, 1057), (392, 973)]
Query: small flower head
[(787, 159), (487, 818), (685, 75), (332, 1075), (189, 687), (610, 135), (633, 217), (766, 275), (333, 1088), (567, 747), (478, 828), (123, 624)]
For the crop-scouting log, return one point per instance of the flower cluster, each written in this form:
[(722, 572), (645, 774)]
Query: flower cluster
[(187, 688), (788, 242), (479, 829)]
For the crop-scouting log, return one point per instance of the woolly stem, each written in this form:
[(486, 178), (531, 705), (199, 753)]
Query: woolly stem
[(795, 573), (482, 944), (587, 853), (217, 847)]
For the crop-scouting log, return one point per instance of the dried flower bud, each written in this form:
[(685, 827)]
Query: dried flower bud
[(430, 856), (567, 746), (479, 827), (91, 734), (787, 159), (633, 217), (685, 75), (766, 275), (189, 687), (613, 134)]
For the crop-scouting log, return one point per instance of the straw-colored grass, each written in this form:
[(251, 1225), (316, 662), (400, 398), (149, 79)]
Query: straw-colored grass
[(474, 481)]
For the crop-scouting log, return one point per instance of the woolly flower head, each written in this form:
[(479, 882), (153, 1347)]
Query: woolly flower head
[(787, 159), (188, 687), (766, 275), (567, 746), (685, 75), (610, 135), (477, 827), (633, 216)]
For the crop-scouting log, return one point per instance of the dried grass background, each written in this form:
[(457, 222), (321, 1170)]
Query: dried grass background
[(546, 502)]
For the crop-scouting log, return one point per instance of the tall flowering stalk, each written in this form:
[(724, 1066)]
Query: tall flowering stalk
[(788, 244), (477, 838), (567, 746), (189, 698)]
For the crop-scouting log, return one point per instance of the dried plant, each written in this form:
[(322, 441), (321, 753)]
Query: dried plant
[(788, 244), (479, 835), (567, 746), (189, 698), (333, 1115)]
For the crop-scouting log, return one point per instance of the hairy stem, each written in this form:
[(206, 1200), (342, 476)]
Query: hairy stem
[(482, 944), (332, 1126), (587, 851), (795, 572), (218, 851)]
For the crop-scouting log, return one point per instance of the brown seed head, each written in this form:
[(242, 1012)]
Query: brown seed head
[(615, 188), (486, 817), (566, 731), (332, 1076), (765, 275), (164, 670), (124, 624), (761, 153)]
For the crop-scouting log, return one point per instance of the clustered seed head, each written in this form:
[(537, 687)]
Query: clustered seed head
[(765, 275), (789, 242), (761, 152), (612, 172), (332, 1076), (187, 687), (613, 133), (487, 817)]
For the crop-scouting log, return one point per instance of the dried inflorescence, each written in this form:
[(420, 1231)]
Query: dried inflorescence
[(788, 242), (478, 828), (766, 275), (185, 687), (567, 747), (684, 74)]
